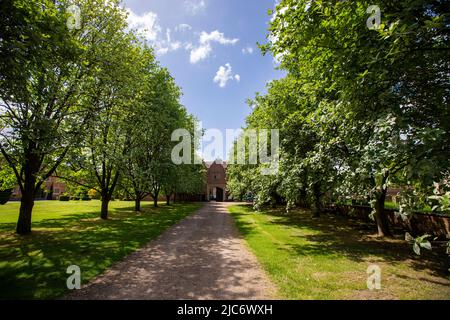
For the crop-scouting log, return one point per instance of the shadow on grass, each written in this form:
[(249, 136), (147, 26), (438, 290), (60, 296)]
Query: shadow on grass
[(34, 266), (336, 235)]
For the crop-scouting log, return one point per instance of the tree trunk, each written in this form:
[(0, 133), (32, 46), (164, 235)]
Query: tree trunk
[(105, 203), (168, 199), (317, 209), (381, 216), (26, 208), (317, 203), (137, 203), (155, 199)]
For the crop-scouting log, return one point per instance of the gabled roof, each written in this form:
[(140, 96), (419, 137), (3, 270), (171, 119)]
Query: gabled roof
[(217, 161)]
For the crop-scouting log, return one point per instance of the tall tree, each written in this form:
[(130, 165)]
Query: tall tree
[(43, 66), (157, 112), (388, 85), (113, 89)]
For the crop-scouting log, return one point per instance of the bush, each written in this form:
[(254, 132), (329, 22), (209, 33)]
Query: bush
[(248, 198), (94, 194), (85, 198), (64, 198), (5, 195)]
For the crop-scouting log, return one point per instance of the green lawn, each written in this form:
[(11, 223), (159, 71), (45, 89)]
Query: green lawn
[(395, 206), (327, 258), (71, 233)]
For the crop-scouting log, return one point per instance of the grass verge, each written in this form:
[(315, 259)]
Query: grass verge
[(327, 258), (71, 233)]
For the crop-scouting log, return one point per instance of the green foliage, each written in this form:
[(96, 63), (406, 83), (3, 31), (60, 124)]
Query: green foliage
[(93, 194), (359, 110), (75, 102), (409, 202), (419, 242), (7, 178), (440, 200), (47, 81), (155, 113)]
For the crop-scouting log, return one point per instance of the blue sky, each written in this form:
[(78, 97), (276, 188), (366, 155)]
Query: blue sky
[(209, 46)]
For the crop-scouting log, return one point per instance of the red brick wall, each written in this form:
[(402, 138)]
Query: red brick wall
[(418, 224), (216, 174)]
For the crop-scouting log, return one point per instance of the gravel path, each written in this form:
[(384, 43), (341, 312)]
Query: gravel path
[(202, 257)]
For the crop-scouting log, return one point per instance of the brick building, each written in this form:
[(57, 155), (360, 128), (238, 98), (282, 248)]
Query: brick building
[(216, 181), (54, 187)]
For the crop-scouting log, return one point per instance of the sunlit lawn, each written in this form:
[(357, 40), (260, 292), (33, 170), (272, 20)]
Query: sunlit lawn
[(327, 258), (71, 233)]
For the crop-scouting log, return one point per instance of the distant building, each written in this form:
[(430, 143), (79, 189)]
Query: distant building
[(54, 187), (216, 181)]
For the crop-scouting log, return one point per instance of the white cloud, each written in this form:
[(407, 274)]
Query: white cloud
[(165, 40), (162, 51), (200, 53), (183, 27), (225, 74), (163, 46), (147, 24), (216, 36), (204, 49), (247, 50), (175, 45), (195, 6)]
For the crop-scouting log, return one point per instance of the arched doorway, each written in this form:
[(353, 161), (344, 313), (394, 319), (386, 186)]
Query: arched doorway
[(219, 194)]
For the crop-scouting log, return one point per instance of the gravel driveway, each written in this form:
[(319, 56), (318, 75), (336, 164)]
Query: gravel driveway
[(202, 257)]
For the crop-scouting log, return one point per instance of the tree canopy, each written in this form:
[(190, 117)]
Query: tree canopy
[(86, 102), (361, 109)]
